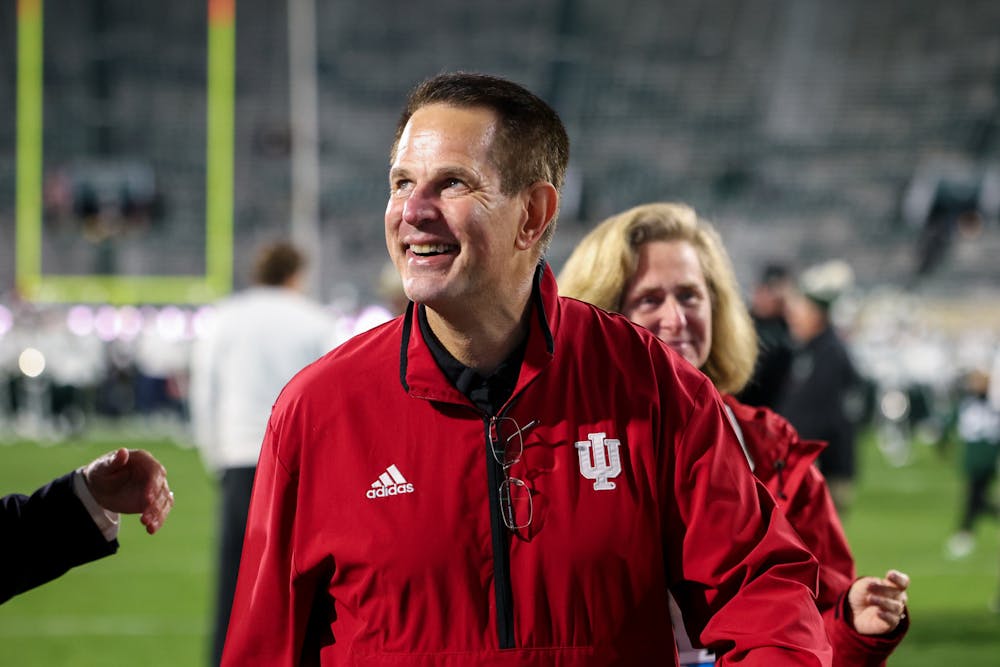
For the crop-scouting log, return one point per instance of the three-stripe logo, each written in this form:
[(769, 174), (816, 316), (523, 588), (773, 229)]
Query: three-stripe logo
[(389, 483)]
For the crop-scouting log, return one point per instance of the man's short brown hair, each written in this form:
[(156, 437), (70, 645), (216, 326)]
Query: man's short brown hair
[(531, 143)]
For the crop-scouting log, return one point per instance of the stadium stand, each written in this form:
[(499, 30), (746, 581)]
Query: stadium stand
[(794, 121)]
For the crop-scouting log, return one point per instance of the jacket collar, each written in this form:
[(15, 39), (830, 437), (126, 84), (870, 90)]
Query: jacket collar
[(781, 458), (422, 378)]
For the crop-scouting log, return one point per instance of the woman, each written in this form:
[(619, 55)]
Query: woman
[(666, 270)]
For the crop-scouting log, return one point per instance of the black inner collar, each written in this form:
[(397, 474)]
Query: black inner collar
[(487, 392)]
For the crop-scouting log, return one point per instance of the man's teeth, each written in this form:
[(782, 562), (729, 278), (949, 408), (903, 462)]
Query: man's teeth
[(427, 249)]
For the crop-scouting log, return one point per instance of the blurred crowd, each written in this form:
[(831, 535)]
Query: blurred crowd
[(65, 369)]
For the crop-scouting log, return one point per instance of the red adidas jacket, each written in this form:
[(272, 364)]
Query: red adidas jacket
[(784, 463), (637, 486)]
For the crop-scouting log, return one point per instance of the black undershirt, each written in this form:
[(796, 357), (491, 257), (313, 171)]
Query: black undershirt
[(487, 392)]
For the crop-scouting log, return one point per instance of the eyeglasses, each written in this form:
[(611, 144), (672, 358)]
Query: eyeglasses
[(507, 446)]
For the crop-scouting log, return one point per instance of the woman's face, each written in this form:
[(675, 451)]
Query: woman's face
[(669, 296)]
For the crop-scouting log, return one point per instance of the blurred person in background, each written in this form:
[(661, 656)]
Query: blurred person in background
[(976, 425), (823, 393), (390, 290), (774, 342), (994, 395), (994, 388), (259, 339), (666, 269), (452, 487), (74, 519)]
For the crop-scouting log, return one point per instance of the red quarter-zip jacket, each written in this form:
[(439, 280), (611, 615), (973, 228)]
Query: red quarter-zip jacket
[(375, 539)]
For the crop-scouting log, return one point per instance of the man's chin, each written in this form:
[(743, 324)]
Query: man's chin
[(425, 295)]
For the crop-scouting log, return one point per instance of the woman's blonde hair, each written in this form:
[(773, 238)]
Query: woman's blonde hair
[(600, 268)]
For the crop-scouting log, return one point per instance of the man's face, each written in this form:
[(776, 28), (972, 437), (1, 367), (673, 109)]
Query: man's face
[(805, 318), (448, 227), (769, 299)]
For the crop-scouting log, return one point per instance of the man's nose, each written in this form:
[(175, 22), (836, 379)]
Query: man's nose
[(419, 207)]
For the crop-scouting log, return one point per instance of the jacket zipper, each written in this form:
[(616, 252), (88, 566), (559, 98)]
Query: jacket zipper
[(501, 547)]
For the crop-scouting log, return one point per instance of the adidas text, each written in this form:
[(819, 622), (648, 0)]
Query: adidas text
[(394, 490)]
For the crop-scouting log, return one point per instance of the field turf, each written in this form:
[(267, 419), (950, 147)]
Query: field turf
[(149, 604)]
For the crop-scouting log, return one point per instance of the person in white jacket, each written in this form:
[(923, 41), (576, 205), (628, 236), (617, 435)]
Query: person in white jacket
[(258, 340)]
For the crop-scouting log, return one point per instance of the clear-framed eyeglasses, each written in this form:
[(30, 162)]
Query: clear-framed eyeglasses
[(507, 447)]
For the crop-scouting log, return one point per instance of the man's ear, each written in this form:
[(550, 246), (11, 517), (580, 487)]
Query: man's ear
[(541, 206)]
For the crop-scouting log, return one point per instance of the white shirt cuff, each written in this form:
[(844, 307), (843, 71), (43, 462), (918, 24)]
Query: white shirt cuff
[(106, 520)]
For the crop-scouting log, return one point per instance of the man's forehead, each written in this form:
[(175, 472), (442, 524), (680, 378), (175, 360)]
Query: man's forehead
[(440, 131), (449, 122)]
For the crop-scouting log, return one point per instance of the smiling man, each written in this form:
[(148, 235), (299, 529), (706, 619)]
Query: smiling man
[(501, 476)]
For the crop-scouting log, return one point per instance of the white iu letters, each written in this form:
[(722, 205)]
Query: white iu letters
[(593, 462)]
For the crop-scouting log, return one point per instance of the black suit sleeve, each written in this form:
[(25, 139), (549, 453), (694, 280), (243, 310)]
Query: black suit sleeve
[(43, 536)]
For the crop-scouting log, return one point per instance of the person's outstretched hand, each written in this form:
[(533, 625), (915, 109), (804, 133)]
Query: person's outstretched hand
[(878, 605), (131, 481)]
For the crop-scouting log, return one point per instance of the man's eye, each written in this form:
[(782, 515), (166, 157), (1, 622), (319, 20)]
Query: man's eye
[(453, 183), (401, 184)]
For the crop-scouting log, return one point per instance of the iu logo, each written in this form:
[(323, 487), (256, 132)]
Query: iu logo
[(593, 462)]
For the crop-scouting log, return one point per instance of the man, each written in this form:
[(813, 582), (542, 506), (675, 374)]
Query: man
[(501, 476), (822, 396), (74, 519), (260, 338), (767, 308)]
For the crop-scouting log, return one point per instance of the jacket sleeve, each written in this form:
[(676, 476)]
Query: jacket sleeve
[(45, 535), (851, 649), (812, 514), (746, 583), (273, 601), (814, 518)]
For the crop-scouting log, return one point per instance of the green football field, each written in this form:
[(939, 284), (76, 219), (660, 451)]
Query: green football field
[(149, 605)]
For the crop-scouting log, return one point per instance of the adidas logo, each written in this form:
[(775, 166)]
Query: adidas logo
[(389, 483)]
